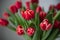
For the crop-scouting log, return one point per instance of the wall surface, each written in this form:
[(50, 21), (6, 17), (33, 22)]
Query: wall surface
[(5, 33)]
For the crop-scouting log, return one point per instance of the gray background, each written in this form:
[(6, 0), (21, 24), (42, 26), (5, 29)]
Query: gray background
[(5, 33)]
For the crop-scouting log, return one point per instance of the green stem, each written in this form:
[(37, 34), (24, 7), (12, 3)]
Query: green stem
[(44, 32), (57, 16)]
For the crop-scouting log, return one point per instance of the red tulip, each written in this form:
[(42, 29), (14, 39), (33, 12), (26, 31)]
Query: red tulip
[(13, 9), (19, 4), (27, 5), (5, 15), (38, 9), (34, 1), (58, 6), (51, 7), (19, 30), (45, 25), (28, 14), (57, 24), (42, 15), (30, 31), (3, 22)]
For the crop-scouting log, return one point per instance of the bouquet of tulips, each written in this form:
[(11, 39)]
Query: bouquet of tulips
[(32, 22)]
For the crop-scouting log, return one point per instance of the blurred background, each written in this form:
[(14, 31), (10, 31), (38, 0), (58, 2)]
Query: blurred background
[(5, 33)]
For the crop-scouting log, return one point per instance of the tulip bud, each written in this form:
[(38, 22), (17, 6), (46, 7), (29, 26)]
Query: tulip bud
[(58, 6), (56, 24), (27, 5), (38, 9), (45, 25), (42, 15), (51, 7), (19, 4), (5, 15), (30, 31), (3, 22), (13, 9), (19, 30), (34, 1), (28, 14)]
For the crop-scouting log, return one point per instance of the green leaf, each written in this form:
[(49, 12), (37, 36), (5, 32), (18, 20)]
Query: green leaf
[(53, 34), (37, 21), (10, 19), (11, 28), (27, 37), (19, 19), (30, 23), (50, 17), (22, 22), (51, 11), (33, 6), (36, 35), (46, 34), (57, 16), (16, 23), (58, 36)]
